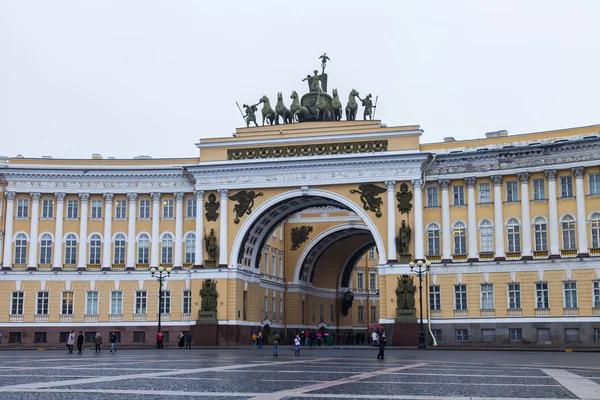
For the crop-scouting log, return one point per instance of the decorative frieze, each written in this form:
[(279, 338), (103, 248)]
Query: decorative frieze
[(372, 146)]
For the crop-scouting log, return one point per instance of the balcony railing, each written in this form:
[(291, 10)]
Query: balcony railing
[(118, 267), (435, 313), (90, 318), (164, 316), (513, 255), (487, 256), (514, 312), (142, 266), (540, 254), (571, 312), (461, 313), (542, 312), (596, 311), (185, 317), (139, 317), (19, 267), (595, 251), (70, 267), (94, 267), (44, 267), (40, 318), (434, 257), (66, 318), (459, 257), (16, 318), (271, 277), (115, 317), (487, 313), (568, 252)]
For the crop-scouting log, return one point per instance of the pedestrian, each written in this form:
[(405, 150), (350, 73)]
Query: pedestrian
[(181, 338), (297, 344), (276, 338), (259, 340), (80, 341), (374, 338), (98, 342), (113, 342), (319, 338), (254, 337), (71, 341), (0, 337), (306, 334), (159, 339), (382, 343), (188, 340)]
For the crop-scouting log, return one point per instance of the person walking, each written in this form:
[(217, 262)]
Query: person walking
[(254, 337), (374, 338), (160, 337), (188, 340), (276, 338), (382, 343), (80, 341), (98, 342), (297, 344), (71, 341), (113, 342), (259, 340), (181, 338)]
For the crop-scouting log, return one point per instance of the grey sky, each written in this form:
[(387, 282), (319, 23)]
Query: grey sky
[(124, 78)]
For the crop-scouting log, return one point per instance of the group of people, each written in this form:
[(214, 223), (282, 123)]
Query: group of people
[(185, 339), (97, 341), (258, 340)]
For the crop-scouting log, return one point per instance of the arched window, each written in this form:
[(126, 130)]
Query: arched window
[(190, 248), (143, 248), (513, 229), (71, 249), (595, 225), (568, 232), (95, 246), (167, 249), (46, 249), (21, 249), (486, 236), (540, 229), (119, 255), (433, 239), (460, 238)]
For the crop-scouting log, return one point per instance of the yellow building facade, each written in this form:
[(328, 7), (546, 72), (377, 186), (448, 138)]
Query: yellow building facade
[(303, 214)]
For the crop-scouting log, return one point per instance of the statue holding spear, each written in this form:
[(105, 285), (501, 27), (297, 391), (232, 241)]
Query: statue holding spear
[(368, 105), (250, 110)]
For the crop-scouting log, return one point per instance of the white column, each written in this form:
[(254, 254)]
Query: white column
[(34, 231), (582, 248), (106, 250), (553, 214), (82, 250), (418, 210), (58, 231), (130, 261), (525, 215), (155, 229), (223, 228), (199, 227), (471, 220), (178, 259), (498, 218), (391, 221), (446, 239), (8, 230)]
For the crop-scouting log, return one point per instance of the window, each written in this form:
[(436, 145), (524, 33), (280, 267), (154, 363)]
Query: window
[(572, 335), (360, 279), (361, 314), (435, 302), (512, 191), (281, 265), (514, 235), (433, 240), (596, 286), (458, 195), (72, 209), (71, 249), (143, 248), (597, 334), (14, 337), (95, 246), (121, 209), (47, 208), (281, 309), (485, 193), (17, 303), (488, 335), (190, 248), (515, 334), (22, 208), (89, 337), (373, 314), (139, 336), (96, 209), (187, 302), (39, 337), (46, 249), (487, 296), (141, 298), (372, 253), (67, 303), (595, 224), (566, 186), (543, 335), (119, 251), (116, 302), (486, 234), (331, 313), (540, 234), (570, 294), (594, 183), (167, 249), (541, 295), (568, 232), (266, 308), (21, 249), (437, 334), (461, 335), (167, 208), (460, 297), (274, 310), (460, 238), (42, 303), (91, 303), (145, 209), (539, 191), (372, 282), (514, 296), (166, 302), (190, 208), (274, 262), (432, 196)]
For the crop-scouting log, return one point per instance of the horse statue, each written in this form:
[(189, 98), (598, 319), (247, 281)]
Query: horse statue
[(300, 112), (267, 112), (281, 110), (351, 106), (336, 106), (323, 111)]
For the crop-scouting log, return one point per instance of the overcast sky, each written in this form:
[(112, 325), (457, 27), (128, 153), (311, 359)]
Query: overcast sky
[(126, 78)]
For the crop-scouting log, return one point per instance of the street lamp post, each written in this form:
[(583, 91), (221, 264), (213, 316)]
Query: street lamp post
[(421, 270), (160, 277)]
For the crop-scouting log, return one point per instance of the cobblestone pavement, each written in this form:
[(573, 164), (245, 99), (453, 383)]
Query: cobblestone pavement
[(320, 374)]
